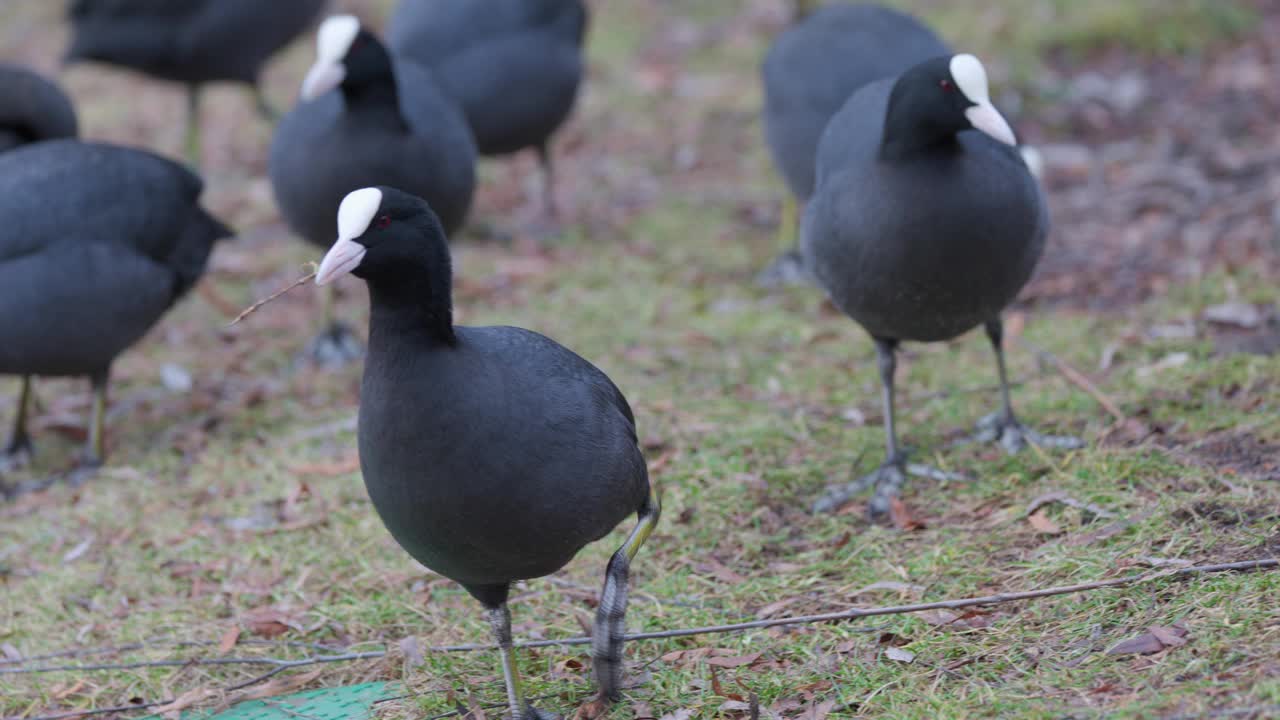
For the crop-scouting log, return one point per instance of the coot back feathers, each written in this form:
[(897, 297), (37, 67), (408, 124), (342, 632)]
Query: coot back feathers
[(32, 108), (99, 242)]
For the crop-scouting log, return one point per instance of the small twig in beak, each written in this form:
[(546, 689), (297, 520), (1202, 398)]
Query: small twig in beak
[(273, 296)]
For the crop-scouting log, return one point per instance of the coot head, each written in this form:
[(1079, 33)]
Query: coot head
[(938, 98), (347, 55), (384, 233)]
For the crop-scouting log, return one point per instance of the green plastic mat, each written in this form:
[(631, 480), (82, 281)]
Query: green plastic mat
[(354, 702)]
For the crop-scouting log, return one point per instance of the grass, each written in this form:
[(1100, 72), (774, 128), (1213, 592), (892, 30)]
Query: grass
[(233, 505)]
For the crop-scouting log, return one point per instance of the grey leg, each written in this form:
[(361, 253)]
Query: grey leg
[(500, 623), (20, 440), (788, 267), (95, 446), (1003, 426), (888, 479), (18, 451), (193, 125), (549, 205), (610, 626), (263, 106)]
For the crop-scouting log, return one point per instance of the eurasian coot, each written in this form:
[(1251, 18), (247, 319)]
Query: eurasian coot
[(99, 241), (492, 454), (189, 41), (513, 66), (922, 228), (366, 119), (32, 109)]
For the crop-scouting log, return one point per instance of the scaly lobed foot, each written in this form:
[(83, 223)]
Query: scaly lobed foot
[(786, 270), (17, 455), (886, 482), (334, 348), (1013, 436)]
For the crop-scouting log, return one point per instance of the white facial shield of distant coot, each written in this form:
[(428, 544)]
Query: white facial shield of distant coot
[(333, 41), (971, 78)]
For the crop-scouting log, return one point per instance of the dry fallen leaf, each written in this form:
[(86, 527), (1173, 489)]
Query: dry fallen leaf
[(820, 711), (897, 653), (902, 517), (733, 661), (68, 692), (412, 650), (229, 639), (1170, 636), (1043, 524), (721, 571), (1156, 639), (280, 686), (187, 699)]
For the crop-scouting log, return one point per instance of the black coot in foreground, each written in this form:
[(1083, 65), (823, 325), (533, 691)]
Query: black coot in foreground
[(365, 119), (97, 243), (513, 66), (492, 454), (189, 41), (809, 72), (32, 109), (925, 223)]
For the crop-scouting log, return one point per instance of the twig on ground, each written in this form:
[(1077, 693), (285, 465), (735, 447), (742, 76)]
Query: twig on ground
[(1079, 379), (897, 609), (1065, 499), (278, 662), (282, 665), (272, 297), (149, 642)]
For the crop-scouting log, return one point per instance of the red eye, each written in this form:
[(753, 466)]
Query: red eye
[(946, 85), (383, 221)]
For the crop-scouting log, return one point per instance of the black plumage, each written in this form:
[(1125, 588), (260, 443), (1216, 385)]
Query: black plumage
[(192, 42), (367, 118), (921, 227), (492, 454), (809, 72), (513, 66), (32, 109), (98, 243)]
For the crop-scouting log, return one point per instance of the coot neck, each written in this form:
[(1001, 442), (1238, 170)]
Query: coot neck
[(913, 124), (413, 301), (375, 96), (918, 135)]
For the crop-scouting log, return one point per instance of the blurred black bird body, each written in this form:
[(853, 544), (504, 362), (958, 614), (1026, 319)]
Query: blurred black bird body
[(384, 122), (492, 454), (32, 108), (513, 66), (97, 242), (188, 41), (366, 118), (815, 65)]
